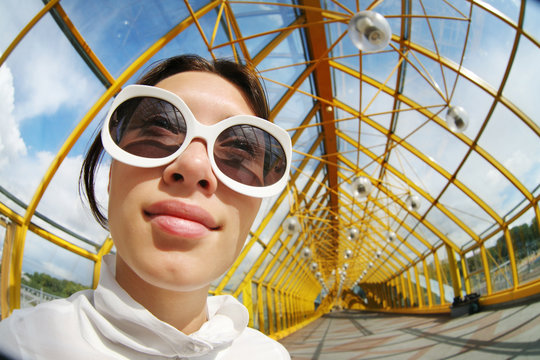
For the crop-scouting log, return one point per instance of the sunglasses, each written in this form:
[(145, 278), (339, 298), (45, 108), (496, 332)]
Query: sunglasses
[(150, 127)]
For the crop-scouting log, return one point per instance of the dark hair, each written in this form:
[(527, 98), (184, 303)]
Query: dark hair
[(242, 76)]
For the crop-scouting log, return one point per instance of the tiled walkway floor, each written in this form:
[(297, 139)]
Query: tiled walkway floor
[(497, 334)]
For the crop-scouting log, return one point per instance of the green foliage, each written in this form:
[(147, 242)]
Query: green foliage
[(52, 285), (525, 239)]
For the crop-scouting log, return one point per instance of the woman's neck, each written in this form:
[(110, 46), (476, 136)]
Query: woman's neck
[(186, 311)]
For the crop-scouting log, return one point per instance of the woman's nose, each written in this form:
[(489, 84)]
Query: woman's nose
[(192, 169)]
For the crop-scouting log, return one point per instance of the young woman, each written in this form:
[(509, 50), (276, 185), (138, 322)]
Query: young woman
[(191, 158)]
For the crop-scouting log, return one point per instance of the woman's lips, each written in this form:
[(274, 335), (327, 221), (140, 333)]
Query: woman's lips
[(181, 219)]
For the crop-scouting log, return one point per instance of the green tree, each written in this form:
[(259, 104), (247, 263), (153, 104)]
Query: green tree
[(52, 285)]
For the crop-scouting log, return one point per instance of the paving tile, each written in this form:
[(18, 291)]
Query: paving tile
[(511, 333)]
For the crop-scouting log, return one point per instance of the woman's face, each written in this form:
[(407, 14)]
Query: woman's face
[(177, 227)]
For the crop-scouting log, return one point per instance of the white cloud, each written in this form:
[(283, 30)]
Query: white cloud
[(58, 271), (52, 80), (11, 142), (62, 202), (21, 171), (42, 76), (48, 73)]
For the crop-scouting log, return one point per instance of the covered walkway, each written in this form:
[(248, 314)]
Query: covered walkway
[(413, 178), (508, 333)]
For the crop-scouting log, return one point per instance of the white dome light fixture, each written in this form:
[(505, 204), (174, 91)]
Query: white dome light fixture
[(457, 119), (361, 186), (348, 253), (291, 225), (313, 266), (352, 234), (391, 236), (369, 31), (413, 202), (306, 253)]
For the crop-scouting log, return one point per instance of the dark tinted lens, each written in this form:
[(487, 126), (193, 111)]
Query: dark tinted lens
[(250, 155), (148, 127)]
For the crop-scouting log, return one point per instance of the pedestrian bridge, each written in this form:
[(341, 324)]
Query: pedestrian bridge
[(414, 181)]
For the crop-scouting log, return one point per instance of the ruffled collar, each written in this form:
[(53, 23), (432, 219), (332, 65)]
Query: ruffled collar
[(124, 321)]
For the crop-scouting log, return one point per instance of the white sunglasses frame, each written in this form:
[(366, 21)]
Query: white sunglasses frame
[(194, 129)]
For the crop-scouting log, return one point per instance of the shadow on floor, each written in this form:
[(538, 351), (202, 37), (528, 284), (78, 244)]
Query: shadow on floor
[(506, 333)]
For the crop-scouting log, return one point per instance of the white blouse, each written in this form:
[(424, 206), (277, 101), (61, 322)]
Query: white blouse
[(107, 323)]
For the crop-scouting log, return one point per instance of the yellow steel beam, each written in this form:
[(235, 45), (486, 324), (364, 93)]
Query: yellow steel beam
[(397, 268), (522, 292), (454, 274), (485, 266), (433, 117), (418, 189), (378, 220), (419, 293), (387, 211), (62, 243), (260, 307), (475, 79), (422, 219), (6, 300), (26, 29), (511, 257), (405, 294), (428, 283), (271, 310), (284, 276), (439, 277), (82, 47), (465, 275), (270, 214), (261, 55), (271, 243), (105, 248), (316, 42), (410, 288), (11, 215), (234, 24), (253, 268)]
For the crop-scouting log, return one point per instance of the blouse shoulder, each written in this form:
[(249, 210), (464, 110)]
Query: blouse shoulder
[(28, 330), (252, 344)]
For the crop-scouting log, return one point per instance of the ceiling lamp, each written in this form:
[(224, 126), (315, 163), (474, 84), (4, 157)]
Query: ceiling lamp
[(352, 233), (457, 119), (378, 254), (291, 225), (361, 186), (345, 266), (391, 236), (348, 253), (313, 266), (369, 31), (413, 202), (306, 253)]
